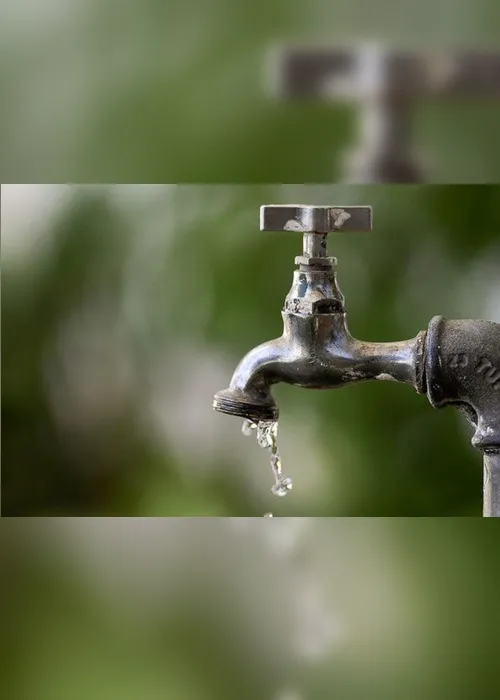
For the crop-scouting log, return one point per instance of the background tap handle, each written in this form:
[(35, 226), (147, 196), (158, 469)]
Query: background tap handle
[(362, 72)]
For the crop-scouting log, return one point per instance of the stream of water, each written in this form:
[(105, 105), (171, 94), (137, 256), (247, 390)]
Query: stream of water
[(267, 437)]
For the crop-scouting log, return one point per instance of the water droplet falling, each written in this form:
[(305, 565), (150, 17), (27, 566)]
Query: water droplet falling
[(248, 428), (267, 437)]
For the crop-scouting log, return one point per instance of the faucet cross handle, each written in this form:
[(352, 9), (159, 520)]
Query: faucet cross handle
[(305, 218), (374, 70), (315, 223), (385, 83)]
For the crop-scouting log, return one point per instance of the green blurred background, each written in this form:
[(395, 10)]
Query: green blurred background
[(175, 91), (190, 609), (125, 308)]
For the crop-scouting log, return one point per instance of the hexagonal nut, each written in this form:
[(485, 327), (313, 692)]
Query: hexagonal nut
[(327, 263)]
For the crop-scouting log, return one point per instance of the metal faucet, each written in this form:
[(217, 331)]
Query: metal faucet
[(385, 84), (452, 362)]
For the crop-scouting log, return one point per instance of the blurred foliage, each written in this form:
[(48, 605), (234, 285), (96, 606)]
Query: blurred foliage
[(154, 91), (197, 610), (129, 287)]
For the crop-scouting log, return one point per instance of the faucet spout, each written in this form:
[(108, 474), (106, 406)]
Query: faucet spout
[(248, 395), (316, 351)]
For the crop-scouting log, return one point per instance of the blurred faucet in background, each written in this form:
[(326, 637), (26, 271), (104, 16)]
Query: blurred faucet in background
[(386, 85), (190, 609)]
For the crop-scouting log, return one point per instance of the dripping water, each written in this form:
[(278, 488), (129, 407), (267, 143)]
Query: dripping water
[(267, 437)]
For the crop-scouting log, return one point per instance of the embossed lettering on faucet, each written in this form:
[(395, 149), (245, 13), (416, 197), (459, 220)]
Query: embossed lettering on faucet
[(489, 372), (456, 361), (339, 217)]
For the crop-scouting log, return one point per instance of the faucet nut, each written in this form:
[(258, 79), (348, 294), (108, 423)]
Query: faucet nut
[(326, 263)]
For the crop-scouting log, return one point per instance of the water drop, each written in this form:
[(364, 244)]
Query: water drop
[(282, 487), (248, 428), (267, 438), (267, 435)]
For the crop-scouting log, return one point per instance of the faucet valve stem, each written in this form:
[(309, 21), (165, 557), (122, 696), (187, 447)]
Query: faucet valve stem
[(314, 289), (315, 223)]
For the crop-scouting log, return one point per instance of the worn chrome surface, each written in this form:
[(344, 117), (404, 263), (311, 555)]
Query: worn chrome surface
[(304, 218), (316, 350), (455, 363)]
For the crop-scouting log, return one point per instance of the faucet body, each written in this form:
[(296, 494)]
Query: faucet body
[(316, 351), (453, 362)]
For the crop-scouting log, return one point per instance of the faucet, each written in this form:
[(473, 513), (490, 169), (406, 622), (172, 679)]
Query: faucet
[(385, 85), (452, 362)]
